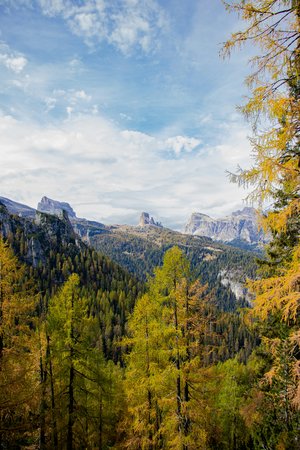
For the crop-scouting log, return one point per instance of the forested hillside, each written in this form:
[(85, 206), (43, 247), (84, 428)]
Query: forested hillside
[(65, 311), (52, 252), (140, 250)]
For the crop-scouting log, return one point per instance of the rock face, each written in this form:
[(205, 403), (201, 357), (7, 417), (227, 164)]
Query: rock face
[(40, 234), (83, 227), (239, 226), (17, 208), (47, 205), (146, 219)]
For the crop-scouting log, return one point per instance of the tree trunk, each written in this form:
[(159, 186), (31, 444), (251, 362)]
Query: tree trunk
[(178, 381), (43, 403), (71, 386), (100, 422), (54, 424), (150, 435), (71, 405)]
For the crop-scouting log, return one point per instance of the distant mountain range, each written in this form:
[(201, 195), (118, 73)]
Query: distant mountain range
[(239, 229), (138, 249)]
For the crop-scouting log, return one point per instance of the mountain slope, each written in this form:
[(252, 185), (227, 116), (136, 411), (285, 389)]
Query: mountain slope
[(83, 227), (17, 208), (141, 249), (52, 251)]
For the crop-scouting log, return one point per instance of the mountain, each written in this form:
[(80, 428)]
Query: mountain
[(83, 227), (52, 251), (240, 228), (17, 208), (146, 219), (139, 249), (33, 238), (54, 207)]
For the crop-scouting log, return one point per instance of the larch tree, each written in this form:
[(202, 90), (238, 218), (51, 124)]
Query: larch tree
[(18, 361), (144, 380), (68, 329), (274, 111), (162, 374)]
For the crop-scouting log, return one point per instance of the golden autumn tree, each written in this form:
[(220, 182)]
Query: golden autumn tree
[(274, 111), (144, 382), (163, 371), (18, 362), (273, 108)]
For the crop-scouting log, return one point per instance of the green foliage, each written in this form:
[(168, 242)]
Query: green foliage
[(110, 290), (141, 251), (86, 402)]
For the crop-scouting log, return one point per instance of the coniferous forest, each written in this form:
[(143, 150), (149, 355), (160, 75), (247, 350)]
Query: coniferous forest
[(99, 354)]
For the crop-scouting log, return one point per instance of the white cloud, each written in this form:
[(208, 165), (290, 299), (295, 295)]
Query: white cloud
[(12, 60), (127, 25), (114, 174), (71, 100), (54, 7), (50, 103), (181, 144), (125, 116), (72, 96), (69, 110), (82, 95)]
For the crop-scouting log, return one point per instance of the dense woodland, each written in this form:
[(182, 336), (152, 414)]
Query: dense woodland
[(92, 358), (141, 251)]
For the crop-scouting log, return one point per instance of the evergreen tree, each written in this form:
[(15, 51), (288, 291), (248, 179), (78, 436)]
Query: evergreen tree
[(83, 385)]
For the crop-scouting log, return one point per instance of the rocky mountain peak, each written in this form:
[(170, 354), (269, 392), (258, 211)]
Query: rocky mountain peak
[(54, 207), (146, 219), (240, 225), (247, 211), (195, 222)]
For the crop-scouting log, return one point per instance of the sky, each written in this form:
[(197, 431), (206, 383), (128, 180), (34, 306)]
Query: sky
[(122, 106)]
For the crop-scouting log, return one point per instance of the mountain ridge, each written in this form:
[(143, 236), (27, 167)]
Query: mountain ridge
[(238, 227), (140, 249)]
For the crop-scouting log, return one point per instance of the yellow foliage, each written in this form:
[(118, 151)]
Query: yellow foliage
[(277, 221), (279, 293), (275, 69)]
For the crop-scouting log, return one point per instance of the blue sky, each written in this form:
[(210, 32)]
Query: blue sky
[(121, 106)]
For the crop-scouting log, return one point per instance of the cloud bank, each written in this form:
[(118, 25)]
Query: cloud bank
[(111, 174)]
